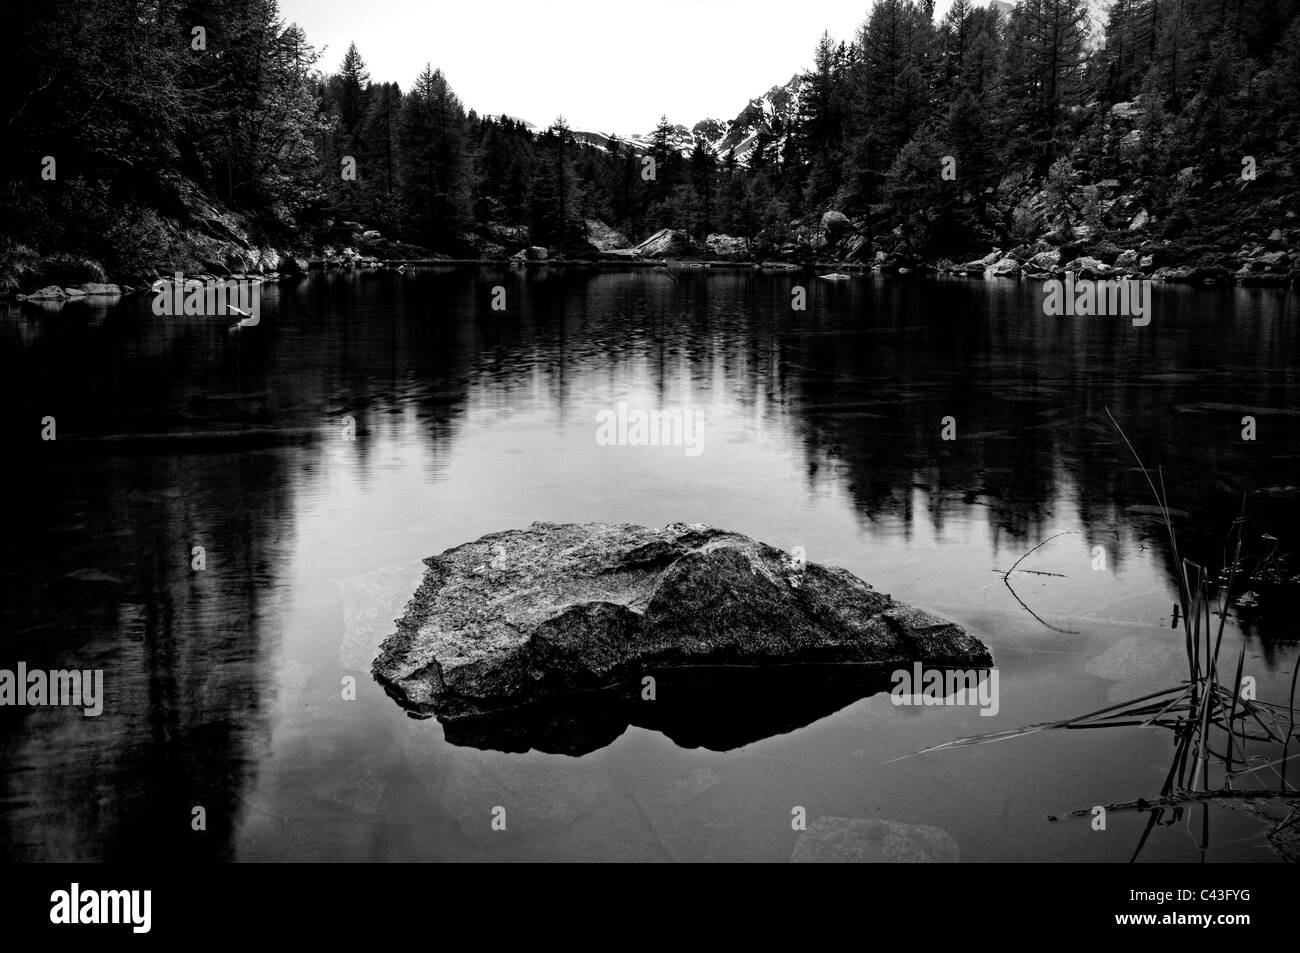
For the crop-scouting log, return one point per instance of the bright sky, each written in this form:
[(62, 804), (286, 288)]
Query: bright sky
[(606, 65)]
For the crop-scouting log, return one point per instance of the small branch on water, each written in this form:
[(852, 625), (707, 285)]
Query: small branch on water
[(1006, 580)]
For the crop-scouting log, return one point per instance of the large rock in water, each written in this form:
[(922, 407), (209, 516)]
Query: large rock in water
[(526, 615)]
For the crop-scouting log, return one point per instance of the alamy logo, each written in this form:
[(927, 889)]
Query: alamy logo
[(178, 296), (1088, 297), (74, 906), (634, 427), (936, 686), (80, 689)]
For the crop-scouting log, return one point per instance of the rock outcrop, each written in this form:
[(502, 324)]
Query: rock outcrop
[(48, 293), (603, 238), (531, 253), (836, 226), (729, 247), (529, 615), (667, 243)]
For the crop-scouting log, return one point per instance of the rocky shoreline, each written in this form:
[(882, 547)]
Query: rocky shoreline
[(833, 244), (1201, 225), (997, 265)]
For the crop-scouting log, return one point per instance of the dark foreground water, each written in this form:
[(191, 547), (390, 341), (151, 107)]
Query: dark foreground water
[(822, 429)]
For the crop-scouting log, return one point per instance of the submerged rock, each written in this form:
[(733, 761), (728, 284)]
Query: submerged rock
[(522, 616), (369, 603), (868, 841), (1136, 659)]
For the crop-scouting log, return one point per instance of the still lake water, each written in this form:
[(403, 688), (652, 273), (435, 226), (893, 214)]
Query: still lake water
[(821, 429)]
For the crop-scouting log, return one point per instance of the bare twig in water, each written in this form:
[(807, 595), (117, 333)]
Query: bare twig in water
[(1006, 581), (1032, 551), (1031, 572)]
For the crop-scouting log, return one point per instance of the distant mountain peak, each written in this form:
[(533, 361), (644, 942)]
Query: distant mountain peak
[(774, 110), (763, 114)]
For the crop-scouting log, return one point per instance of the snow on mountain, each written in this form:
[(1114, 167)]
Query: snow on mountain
[(770, 113), (526, 124), (774, 111)]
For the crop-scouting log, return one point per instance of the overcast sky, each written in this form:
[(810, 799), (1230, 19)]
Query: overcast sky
[(606, 65)]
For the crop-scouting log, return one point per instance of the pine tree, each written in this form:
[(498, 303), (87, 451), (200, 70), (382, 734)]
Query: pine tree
[(819, 128), (434, 187), (894, 69), (955, 38), (555, 192), (1045, 60), (351, 85), (703, 171), (667, 166), (380, 148)]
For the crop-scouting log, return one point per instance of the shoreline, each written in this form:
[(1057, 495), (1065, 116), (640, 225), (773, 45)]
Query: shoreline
[(1212, 276)]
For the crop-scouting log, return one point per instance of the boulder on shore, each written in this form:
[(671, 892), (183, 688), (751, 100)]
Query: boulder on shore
[(728, 247), (836, 225), (48, 293), (604, 238), (531, 253), (100, 289), (1086, 267), (979, 266), (527, 615), (1047, 260), (1003, 268), (1127, 259), (667, 243)]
